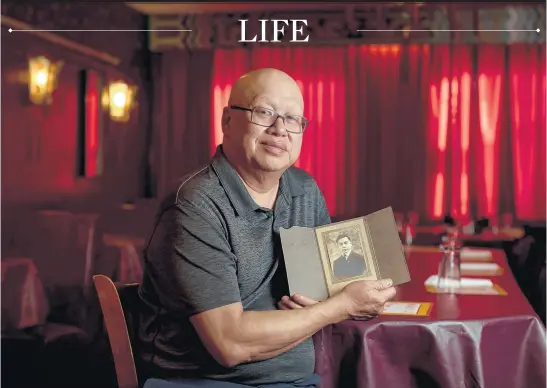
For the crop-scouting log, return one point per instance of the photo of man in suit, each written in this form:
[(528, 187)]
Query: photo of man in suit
[(350, 263)]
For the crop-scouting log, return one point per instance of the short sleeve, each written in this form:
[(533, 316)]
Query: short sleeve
[(190, 260), (323, 216)]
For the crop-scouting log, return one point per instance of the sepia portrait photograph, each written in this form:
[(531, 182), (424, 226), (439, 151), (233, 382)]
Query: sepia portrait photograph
[(345, 254)]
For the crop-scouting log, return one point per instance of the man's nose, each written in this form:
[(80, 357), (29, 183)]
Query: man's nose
[(278, 128)]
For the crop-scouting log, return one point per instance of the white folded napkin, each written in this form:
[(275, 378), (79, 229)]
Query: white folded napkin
[(480, 266), (470, 253), (464, 282)]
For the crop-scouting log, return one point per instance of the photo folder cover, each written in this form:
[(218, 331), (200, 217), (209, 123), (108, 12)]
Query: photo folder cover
[(371, 243)]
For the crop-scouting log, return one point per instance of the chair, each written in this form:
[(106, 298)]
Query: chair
[(114, 299)]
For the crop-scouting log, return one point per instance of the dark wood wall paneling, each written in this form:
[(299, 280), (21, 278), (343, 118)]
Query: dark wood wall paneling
[(39, 143)]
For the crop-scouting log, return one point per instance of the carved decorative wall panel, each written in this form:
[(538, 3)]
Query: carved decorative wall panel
[(407, 23)]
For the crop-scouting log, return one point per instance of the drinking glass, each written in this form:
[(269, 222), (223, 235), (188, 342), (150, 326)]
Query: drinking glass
[(449, 276), (506, 220), (400, 220)]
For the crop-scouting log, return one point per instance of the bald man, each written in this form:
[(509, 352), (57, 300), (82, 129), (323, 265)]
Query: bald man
[(216, 311)]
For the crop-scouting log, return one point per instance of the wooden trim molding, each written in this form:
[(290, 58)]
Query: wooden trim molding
[(59, 40)]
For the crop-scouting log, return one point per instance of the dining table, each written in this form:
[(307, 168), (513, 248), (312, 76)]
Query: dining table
[(129, 268), (24, 302), (488, 237), (487, 341)]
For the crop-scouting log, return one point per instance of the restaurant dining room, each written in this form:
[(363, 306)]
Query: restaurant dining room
[(424, 126)]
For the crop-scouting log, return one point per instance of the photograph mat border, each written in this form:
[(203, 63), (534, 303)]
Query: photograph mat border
[(334, 288)]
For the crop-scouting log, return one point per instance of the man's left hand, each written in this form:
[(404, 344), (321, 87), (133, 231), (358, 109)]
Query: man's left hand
[(296, 301)]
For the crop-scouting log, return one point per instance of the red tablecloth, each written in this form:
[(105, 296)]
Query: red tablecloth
[(466, 341)]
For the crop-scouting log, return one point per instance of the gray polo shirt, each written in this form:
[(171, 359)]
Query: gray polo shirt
[(213, 246)]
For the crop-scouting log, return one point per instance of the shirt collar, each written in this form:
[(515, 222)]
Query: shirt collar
[(289, 186)]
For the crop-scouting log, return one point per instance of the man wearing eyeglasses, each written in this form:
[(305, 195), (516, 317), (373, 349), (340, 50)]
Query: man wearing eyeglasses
[(216, 311)]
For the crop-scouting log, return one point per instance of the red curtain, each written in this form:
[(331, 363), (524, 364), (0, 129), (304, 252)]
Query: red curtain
[(487, 107), (228, 65), (527, 118), (491, 120), (386, 98), (465, 125), (437, 129), (418, 128)]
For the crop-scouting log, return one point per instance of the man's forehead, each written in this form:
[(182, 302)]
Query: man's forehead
[(268, 85), (289, 102)]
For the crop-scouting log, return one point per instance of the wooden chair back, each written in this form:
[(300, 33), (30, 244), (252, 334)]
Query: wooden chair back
[(114, 299)]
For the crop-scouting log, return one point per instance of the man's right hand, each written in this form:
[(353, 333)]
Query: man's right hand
[(366, 298)]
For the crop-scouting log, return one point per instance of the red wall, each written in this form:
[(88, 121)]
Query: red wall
[(39, 143)]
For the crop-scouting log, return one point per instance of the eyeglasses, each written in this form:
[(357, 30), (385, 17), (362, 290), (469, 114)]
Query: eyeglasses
[(267, 117)]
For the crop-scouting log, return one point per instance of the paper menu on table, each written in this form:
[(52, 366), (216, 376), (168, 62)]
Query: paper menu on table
[(407, 308), (401, 308), (480, 267)]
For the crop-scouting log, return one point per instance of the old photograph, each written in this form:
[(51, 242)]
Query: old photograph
[(347, 258), (345, 254)]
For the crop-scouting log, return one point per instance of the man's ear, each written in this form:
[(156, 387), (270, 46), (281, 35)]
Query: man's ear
[(225, 118)]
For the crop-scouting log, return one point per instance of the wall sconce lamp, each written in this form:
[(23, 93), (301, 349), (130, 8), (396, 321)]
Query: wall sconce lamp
[(43, 75), (119, 99)]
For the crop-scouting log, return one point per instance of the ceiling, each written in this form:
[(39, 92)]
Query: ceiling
[(197, 8)]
